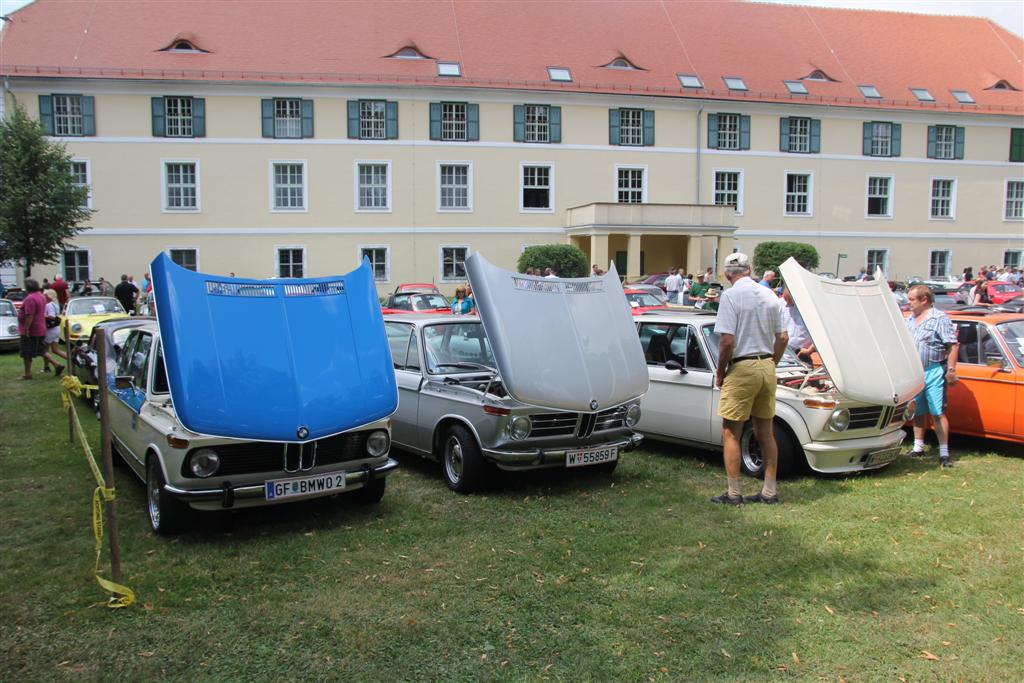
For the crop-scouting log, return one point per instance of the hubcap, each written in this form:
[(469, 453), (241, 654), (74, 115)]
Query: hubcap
[(751, 450), (154, 502), (453, 459)]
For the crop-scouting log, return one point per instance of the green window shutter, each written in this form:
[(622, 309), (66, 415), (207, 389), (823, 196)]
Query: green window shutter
[(931, 142), (649, 127), (744, 132), (198, 117), (472, 121), (897, 136), (46, 114), (958, 144), (554, 124), (391, 120), (518, 123), (866, 148), (784, 134), (88, 115), (353, 119), (712, 131), (267, 115), (435, 120), (306, 110), (1017, 144), (613, 126), (815, 136), (157, 104)]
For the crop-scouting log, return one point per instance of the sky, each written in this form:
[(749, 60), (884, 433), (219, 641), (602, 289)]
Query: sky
[(1006, 13)]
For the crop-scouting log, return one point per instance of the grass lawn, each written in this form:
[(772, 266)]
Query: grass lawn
[(912, 573)]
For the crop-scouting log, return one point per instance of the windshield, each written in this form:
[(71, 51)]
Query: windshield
[(642, 299), (456, 347), (419, 302), (94, 306), (1013, 335), (788, 359), (6, 308)]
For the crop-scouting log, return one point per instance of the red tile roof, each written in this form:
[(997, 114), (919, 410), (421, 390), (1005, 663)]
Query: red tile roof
[(510, 44)]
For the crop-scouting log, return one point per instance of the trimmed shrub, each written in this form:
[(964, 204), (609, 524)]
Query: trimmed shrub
[(770, 255), (566, 260)]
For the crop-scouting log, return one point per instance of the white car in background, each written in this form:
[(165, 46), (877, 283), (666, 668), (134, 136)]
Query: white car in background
[(9, 338)]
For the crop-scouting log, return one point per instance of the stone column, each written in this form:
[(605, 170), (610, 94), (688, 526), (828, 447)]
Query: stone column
[(694, 249), (633, 258), (725, 243), (599, 251)]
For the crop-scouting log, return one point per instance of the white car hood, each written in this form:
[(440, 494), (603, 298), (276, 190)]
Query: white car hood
[(860, 335), (561, 343)]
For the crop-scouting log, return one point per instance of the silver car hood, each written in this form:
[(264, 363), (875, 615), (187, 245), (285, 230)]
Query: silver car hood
[(560, 343), (860, 335)]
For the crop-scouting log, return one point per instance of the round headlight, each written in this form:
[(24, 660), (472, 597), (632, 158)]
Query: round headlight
[(633, 415), (204, 462), (519, 428), (839, 420), (77, 327), (12, 329), (378, 443)]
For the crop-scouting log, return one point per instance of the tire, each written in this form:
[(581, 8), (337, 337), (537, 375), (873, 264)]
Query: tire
[(371, 492), (750, 452), (167, 515), (461, 461)]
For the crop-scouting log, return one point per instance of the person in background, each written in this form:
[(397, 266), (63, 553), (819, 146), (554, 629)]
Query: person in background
[(684, 291), (550, 272), (461, 304), (862, 275), (699, 289), (990, 272), (61, 287), (86, 289), (32, 327), (968, 274), (711, 302), (799, 338), (979, 294), (767, 279), (46, 284), (673, 283), (126, 292), (52, 338)]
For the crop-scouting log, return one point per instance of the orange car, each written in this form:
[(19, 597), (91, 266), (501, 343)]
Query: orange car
[(988, 400)]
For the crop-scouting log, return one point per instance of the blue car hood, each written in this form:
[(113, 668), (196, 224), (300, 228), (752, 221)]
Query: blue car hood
[(273, 360)]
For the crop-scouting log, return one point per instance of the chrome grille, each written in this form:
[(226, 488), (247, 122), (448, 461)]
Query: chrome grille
[(587, 423), (897, 414), (256, 456), (613, 418), (864, 417), (553, 424)]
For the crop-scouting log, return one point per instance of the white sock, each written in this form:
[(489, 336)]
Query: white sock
[(918, 445), (768, 490), (943, 450), (734, 487)]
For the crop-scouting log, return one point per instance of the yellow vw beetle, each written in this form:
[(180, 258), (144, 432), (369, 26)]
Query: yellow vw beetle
[(81, 314)]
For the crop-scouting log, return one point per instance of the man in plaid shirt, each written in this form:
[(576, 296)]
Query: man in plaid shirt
[(935, 337)]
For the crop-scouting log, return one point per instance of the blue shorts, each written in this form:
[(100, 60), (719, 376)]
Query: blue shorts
[(933, 397)]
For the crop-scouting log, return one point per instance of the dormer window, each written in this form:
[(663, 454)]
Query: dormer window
[(559, 74), (870, 92), (183, 45), (818, 75), (690, 81), (796, 87), (962, 96), (449, 69), (622, 63), (922, 94), (734, 83), (408, 52), (1002, 84)]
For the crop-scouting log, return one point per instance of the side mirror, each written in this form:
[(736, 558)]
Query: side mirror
[(124, 382), (675, 365)]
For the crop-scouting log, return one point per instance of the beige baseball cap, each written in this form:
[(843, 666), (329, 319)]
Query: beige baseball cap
[(737, 259)]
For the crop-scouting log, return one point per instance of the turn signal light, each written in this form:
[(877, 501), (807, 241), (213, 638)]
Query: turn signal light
[(176, 441), (819, 403), (495, 410)]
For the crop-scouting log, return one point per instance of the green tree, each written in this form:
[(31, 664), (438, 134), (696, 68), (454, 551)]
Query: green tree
[(770, 255), (40, 206), (566, 260)]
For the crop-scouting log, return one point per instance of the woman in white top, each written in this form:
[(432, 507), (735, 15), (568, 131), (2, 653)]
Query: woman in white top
[(52, 339)]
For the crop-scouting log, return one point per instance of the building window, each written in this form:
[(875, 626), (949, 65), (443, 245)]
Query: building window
[(289, 186), (76, 265), (453, 263), (945, 142), (631, 126), (729, 189), (536, 188), (536, 122), (938, 263), (880, 196), (80, 178), (1014, 210), (287, 119), (728, 131), (943, 198), (799, 135), (178, 117), (882, 139), (372, 120), (379, 259), (1012, 258), (877, 258), (734, 83), (453, 121), (373, 186), (630, 187), (67, 115), (798, 194), (455, 187), (181, 186), (187, 258), (291, 261), (1017, 144)]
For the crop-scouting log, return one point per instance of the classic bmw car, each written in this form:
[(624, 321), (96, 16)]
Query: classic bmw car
[(82, 313), (549, 376), (844, 416), (8, 326), (641, 302), (83, 356), (210, 420)]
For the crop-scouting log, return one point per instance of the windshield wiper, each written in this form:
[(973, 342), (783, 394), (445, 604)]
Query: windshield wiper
[(466, 366)]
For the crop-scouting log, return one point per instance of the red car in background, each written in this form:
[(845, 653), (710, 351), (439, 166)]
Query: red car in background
[(416, 302), (1001, 292), (641, 302), (16, 295), (417, 287), (656, 279)]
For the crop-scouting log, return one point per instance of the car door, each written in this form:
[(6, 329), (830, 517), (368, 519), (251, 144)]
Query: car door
[(405, 354), (678, 403), (126, 403), (982, 402)]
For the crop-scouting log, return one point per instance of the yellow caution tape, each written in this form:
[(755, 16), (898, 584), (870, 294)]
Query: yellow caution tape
[(123, 596), (73, 387)]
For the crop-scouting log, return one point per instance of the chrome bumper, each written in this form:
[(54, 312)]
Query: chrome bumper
[(550, 457), (850, 455), (227, 493)]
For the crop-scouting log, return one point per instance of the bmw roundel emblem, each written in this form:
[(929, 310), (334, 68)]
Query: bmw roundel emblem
[(593, 405), (302, 432)]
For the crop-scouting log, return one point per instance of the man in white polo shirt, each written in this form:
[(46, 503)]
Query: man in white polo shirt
[(752, 339)]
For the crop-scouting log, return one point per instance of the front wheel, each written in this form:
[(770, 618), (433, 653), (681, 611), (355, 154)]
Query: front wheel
[(167, 515), (461, 461), (750, 451)]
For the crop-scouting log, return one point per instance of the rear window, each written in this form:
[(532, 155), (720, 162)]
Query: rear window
[(1013, 335)]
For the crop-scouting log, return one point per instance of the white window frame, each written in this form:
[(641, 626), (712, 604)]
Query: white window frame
[(451, 132), (163, 186), (867, 196), (88, 257), (355, 185), (88, 177), (440, 261), (191, 247), (191, 117), (387, 260), (636, 131), (810, 194), (551, 186), (949, 262), (952, 198), (541, 132), (1006, 201), (739, 124), (739, 186), (1020, 256), (281, 124), (469, 187), (75, 122), (277, 259), (372, 126), (305, 185), (885, 262), (877, 141), (946, 145), (796, 136), (615, 181)]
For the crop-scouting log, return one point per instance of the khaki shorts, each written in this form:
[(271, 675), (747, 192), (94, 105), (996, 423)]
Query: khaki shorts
[(748, 390)]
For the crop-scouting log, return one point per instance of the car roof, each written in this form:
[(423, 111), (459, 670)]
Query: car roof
[(987, 316), (422, 319)]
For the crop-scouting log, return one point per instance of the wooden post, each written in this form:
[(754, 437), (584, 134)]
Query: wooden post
[(69, 368), (108, 462)]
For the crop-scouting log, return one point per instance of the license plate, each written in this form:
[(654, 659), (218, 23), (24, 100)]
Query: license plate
[(590, 456), (884, 456), (305, 486)]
